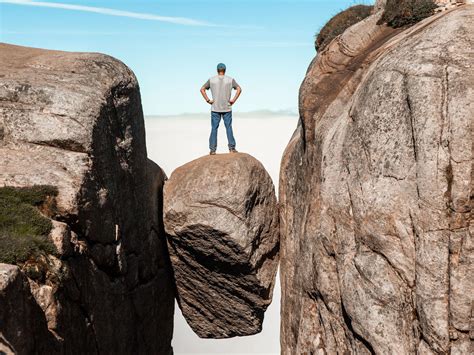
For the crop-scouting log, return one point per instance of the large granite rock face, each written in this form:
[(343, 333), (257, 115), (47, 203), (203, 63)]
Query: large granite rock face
[(376, 193), (74, 121), (222, 219)]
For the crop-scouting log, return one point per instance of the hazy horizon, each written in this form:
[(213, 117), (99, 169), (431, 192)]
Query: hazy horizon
[(262, 113)]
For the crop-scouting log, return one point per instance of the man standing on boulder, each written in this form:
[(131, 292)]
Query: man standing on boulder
[(221, 87)]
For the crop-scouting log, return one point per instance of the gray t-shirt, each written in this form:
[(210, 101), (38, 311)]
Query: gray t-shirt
[(221, 88)]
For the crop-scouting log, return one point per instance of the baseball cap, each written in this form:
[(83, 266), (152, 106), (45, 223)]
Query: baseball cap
[(221, 66)]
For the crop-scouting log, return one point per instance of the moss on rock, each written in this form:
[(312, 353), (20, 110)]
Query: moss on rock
[(339, 23), (23, 229)]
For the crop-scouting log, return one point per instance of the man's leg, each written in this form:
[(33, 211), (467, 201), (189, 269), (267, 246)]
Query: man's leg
[(215, 118), (228, 128)]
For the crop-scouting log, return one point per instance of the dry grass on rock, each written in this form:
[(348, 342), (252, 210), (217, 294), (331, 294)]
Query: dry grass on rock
[(399, 13), (339, 23)]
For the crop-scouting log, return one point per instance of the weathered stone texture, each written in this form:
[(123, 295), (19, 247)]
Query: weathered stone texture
[(376, 193), (222, 219)]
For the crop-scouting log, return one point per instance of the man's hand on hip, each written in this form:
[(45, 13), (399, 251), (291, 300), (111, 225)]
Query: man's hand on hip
[(231, 102), (210, 101)]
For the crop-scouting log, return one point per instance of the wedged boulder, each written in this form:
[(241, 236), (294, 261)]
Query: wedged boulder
[(74, 121), (220, 214), (376, 193)]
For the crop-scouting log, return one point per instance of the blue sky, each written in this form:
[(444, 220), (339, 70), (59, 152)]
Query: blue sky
[(174, 46)]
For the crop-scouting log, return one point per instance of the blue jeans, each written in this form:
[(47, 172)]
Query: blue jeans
[(215, 119)]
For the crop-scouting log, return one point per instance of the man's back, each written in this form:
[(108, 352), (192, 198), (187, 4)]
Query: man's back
[(221, 87)]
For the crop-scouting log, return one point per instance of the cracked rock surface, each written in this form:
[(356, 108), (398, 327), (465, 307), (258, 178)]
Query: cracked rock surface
[(221, 217), (376, 185), (75, 121)]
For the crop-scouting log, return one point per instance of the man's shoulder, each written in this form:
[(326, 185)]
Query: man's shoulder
[(216, 78)]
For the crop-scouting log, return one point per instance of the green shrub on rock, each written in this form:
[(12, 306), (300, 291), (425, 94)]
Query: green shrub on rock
[(23, 229), (339, 23), (399, 13)]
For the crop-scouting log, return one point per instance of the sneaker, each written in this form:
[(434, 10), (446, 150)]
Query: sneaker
[(233, 150), (212, 152)]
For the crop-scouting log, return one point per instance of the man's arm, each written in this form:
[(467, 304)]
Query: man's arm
[(205, 87), (236, 96), (238, 91)]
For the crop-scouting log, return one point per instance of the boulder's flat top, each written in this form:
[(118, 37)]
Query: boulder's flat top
[(220, 171), (223, 163)]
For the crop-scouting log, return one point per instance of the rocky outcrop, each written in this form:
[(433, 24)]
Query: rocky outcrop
[(221, 216), (74, 121), (377, 253)]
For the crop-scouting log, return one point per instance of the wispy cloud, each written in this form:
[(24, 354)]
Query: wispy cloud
[(73, 33), (192, 33), (111, 12)]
